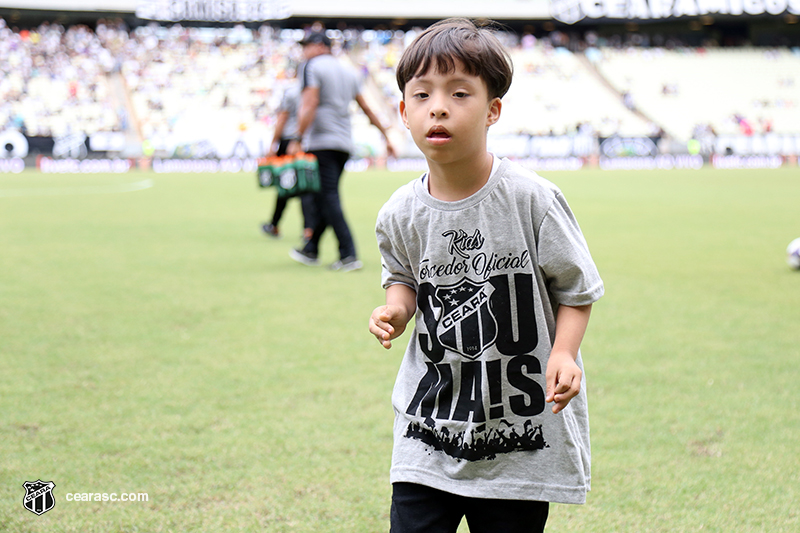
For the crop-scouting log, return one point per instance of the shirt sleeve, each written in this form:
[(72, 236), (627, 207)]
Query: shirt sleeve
[(572, 277), (395, 265), (308, 76)]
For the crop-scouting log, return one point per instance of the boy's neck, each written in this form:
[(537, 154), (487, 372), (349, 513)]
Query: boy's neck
[(456, 181)]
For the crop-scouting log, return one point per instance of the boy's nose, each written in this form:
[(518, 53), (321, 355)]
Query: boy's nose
[(438, 107)]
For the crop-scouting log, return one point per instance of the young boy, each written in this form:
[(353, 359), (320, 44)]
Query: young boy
[(490, 259)]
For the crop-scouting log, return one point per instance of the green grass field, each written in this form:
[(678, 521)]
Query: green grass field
[(155, 341)]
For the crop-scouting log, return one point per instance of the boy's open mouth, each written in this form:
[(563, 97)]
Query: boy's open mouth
[(438, 132)]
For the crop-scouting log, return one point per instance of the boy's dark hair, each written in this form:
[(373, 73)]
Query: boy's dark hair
[(460, 39)]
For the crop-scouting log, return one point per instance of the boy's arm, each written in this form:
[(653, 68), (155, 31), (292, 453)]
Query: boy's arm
[(563, 375), (389, 321)]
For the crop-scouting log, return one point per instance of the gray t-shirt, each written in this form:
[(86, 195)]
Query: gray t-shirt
[(338, 86), (489, 272)]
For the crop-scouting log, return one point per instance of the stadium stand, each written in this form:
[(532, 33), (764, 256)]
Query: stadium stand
[(731, 90), (54, 81), (554, 93), (178, 76), (160, 82)]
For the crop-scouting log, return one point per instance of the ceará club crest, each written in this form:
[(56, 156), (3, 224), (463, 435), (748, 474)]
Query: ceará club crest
[(39, 497)]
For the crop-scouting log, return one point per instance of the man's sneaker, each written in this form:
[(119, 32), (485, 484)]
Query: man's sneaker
[(271, 231), (305, 258), (347, 264)]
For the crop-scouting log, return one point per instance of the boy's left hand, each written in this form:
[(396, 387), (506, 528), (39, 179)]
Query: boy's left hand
[(563, 377)]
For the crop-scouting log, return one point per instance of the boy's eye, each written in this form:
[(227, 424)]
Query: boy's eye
[(420, 95), (460, 94)]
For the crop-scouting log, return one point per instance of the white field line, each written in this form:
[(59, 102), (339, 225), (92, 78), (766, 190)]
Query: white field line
[(62, 191)]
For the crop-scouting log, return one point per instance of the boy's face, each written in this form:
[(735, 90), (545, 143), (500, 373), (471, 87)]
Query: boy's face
[(448, 114)]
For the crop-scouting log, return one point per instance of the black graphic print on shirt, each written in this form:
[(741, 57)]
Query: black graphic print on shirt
[(487, 318)]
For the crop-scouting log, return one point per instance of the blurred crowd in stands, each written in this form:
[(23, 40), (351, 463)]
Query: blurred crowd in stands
[(157, 81), (53, 81)]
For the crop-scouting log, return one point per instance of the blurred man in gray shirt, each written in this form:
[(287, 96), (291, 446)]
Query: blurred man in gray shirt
[(324, 127)]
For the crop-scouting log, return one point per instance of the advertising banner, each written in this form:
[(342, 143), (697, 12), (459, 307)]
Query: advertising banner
[(572, 11), (213, 10)]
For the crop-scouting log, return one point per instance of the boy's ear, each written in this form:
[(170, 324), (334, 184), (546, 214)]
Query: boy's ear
[(403, 114), (495, 106)]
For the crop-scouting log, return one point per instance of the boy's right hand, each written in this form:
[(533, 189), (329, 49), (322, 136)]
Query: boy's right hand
[(387, 323)]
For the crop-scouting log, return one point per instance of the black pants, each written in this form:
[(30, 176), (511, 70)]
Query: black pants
[(329, 205), (421, 509), (309, 210)]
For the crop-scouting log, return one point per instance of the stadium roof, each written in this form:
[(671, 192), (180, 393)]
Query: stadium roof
[(405, 12), (503, 9)]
